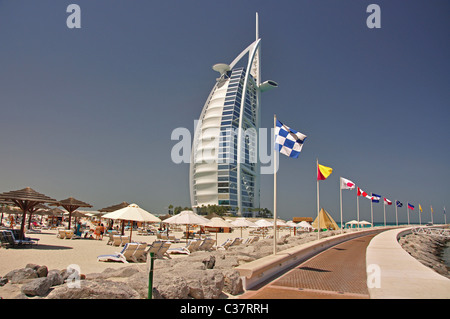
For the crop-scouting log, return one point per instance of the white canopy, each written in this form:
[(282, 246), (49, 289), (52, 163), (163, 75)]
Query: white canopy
[(187, 217), (263, 223), (304, 224), (242, 222), (218, 222), (133, 213), (352, 222)]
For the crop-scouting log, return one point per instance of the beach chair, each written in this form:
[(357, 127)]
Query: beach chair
[(10, 239), (225, 244), (139, 253), (236, 242), (124, 240), (61, 233), (207, 244), (189, 248), (125, 255), (117, 240), (155, 247), (162, 252), (69, 234)]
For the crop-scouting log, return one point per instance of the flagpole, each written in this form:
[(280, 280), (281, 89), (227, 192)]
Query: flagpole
[(371, 211), (420, 216), (445, 216), (384, 210), (318, 200), (340, 191), (357, 208), (274, 192), (396, 215), (431, 213), (407, 210)]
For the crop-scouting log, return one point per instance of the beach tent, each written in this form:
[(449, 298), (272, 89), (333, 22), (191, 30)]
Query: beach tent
[(351, 223), (364, 223), (326, 221)]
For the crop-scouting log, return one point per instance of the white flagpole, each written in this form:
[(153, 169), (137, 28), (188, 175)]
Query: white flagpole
[(384, 210), (407, 210), (340, 191), (420, 216), (274, 192), (318, 201), (445, 216), (431, 213), (357, 208), (371, 211), (396, 215)]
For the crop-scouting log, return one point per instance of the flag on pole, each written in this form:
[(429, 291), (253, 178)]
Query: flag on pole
[(323, 172), (387, 201), (347, 184), (420, 209), (360, 192), (410, 206), (375, 198), (288, 141), (398, 203), (431, 207)]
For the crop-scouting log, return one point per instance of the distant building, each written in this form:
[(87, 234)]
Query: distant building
[(225, 168)]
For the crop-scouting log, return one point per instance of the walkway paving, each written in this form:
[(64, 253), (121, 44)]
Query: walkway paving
[(337, 273)]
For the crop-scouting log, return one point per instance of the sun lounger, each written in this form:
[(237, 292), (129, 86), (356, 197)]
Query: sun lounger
[(225, 244), (251, 240), (10, 240), (117, 240), (189, 248), (125, 255), (61, 233), (207, 244), (139, 253), (69, 234), (124, 240)]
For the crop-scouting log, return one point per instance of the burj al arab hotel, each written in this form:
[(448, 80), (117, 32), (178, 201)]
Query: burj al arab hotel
[(224, 167)]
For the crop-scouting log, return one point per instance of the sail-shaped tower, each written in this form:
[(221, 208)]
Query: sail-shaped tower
[(224, 168)]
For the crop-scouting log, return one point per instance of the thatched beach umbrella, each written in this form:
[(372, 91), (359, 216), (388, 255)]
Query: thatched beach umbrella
[(71, 204), (26, 199), (114, 207)]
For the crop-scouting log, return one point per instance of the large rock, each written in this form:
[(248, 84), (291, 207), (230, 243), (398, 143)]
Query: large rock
[(170, 287), (37, 287), (94, 289), (233, 282), (205, 284), (20, 276), (55, 277)]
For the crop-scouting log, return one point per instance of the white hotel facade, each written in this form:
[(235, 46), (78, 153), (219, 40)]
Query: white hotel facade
[(224, 167)]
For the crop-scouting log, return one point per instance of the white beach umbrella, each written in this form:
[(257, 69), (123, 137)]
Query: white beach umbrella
[(218, 222), (242, 222), (304, 224), (263, 223), (186, 217), (352, 222), (132, 213)]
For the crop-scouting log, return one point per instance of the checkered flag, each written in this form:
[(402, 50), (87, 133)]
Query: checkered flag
[(288, 141)]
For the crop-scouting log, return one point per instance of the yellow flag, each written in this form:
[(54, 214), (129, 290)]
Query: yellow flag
[(420, 208), (431, 207), (323, 172)]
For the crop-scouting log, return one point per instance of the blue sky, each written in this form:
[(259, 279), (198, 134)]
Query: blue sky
[(89, 112)]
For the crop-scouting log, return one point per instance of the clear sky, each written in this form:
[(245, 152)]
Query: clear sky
[(89, 112)]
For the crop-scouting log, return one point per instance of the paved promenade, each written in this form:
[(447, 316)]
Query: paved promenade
[(336, 273)]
